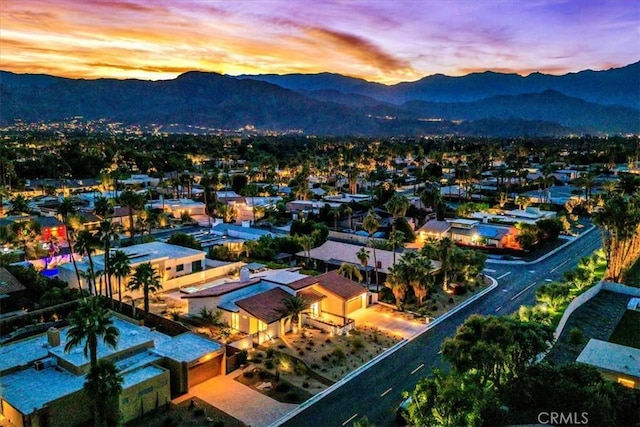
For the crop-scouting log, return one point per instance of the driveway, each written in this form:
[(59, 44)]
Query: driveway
[(247, 405), (388, 321)]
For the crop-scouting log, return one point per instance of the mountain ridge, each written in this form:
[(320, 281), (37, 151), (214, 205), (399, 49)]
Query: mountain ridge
[(332, 104)]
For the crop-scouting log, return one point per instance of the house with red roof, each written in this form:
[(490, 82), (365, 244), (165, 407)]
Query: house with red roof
[(254, 305)]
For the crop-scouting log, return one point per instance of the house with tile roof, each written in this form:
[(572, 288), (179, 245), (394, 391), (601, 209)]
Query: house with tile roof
[(254, 305)]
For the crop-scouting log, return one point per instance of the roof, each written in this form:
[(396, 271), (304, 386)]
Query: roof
[(340, 285), (8, 283), (611, 357), (435, 227), (491, 232), (48, 221), (303, 283), (266, 306), (187, 347), (18, 388), (345, 252), (311, 295), (216, 291), (131, 336)]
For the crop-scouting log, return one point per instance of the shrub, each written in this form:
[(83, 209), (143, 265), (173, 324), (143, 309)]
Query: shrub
[(270, 353), (281, 346), (292, 395), (357, 343), (198, 412), (315, 366), (328, 340), (248, 374), (242, 357), (283, 386), (268, 364), (305, 385), (325, 358), (263, 374), (338, 353), (450, 300), (301, 353)]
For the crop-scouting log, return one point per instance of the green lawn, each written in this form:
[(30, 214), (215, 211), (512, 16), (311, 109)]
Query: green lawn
[(628, 330)]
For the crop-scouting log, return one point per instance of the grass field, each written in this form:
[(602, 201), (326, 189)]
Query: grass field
[(628, 330)]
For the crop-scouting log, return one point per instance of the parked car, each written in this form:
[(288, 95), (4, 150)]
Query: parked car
[(402, 413)]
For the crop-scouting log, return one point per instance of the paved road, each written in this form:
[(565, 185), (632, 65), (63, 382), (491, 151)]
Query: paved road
[(376, 392)]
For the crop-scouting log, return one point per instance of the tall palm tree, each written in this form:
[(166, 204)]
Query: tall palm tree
[(307, 241), (102, 207), (349, 270), (397, 239), (446, 252), (371, 225), (363, 257), (294, 306), (121, 269), (88, 323), (397, 206), (86, 243), (145, 278), (65, 210), (108, 231), (397, 281), (134, 202), (103, 386)]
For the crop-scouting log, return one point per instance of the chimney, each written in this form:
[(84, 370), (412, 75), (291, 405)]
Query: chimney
[(53, 337), (244, 274)]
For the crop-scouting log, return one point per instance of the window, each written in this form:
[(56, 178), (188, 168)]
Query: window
[(145, 391), (168, 268), (626, 382), (235, 321), (196, 266), (180, 267)]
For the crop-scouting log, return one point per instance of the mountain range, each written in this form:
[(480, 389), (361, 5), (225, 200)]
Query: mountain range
[(482, 104)]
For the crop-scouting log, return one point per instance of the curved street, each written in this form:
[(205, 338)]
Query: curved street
[(377, 391)]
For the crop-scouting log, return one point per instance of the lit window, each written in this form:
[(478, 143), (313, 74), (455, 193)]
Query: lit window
[(627, 383)]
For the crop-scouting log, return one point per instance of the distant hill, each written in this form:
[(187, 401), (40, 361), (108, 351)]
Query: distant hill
[(617, 86), (489, 104)]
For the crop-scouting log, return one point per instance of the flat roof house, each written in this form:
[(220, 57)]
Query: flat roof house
[(40, 384), (615, 362)]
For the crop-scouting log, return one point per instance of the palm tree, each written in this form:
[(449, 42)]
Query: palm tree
[(418, 274), (102, 207), (19, 205), (209, 318), (523, 201), (619, 223), (307, 241), (108, 231), (446, 251), (294, 306), (121, 269), (89, 322), (65, 210), (371, 225), (397, 239), (86, 243), (145, 278), (397, 206), (103, 386), (134, 202), (397, 281), (363, 257), (349, 270)]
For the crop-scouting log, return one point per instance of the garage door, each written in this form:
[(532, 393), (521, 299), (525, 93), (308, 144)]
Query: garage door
[(204, 371), (354, 305)]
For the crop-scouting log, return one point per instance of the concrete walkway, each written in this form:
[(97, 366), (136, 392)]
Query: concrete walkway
[(388, 321), (238, 400)]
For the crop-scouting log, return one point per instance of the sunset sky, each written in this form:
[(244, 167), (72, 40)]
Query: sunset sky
[(379, 40)]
